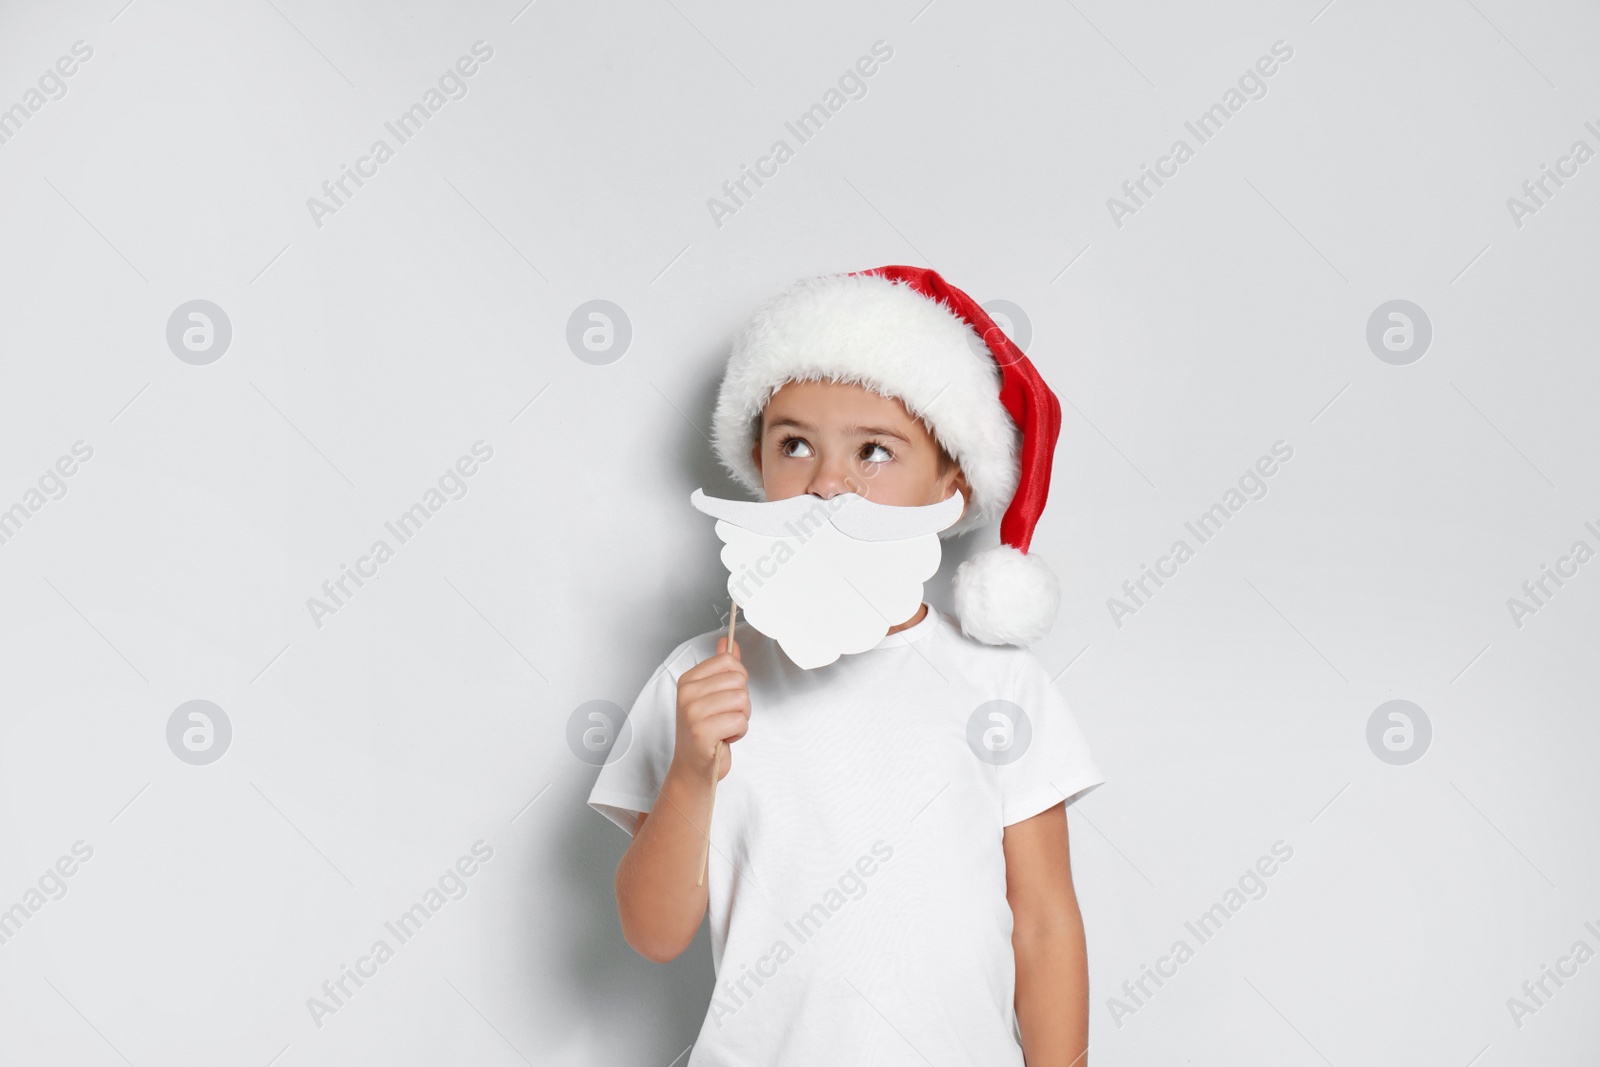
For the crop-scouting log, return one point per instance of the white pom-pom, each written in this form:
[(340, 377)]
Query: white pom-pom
[(1006, 597)]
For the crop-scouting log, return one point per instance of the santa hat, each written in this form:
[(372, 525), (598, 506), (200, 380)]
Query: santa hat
[(905, 332)]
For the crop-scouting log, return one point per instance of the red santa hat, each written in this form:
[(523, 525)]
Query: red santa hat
[(906, 333)]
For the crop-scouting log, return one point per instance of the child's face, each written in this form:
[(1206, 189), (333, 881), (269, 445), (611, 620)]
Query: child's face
[(826, 438)]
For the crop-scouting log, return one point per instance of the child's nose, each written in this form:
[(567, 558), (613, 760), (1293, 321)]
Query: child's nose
[(831, 477)]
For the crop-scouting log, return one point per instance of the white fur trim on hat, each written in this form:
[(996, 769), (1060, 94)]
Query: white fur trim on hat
[(890, 338), (1006, 597)]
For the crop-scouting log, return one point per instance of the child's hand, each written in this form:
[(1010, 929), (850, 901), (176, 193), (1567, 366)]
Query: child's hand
[(713, 705)]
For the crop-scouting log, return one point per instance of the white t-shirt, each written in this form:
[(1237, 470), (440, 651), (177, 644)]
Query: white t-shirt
[(856, 880)]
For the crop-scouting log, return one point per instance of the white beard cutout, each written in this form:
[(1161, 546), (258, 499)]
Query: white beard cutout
[(826, 578)]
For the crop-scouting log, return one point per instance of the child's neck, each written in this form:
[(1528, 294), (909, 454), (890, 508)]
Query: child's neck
[(922, 611)]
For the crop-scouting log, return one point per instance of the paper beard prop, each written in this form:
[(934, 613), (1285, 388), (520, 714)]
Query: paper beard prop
[(826, 578)]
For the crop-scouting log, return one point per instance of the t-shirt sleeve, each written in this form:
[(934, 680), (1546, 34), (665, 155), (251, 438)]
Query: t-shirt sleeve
[(632, 775), (1056, 765)]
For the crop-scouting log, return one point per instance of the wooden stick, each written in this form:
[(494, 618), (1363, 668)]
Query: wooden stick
[(716, 762)]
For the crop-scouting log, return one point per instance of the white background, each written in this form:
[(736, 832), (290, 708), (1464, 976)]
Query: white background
[(430, 312)]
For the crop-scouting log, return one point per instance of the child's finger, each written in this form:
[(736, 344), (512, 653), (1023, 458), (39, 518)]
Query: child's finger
[(723, 647), (715, 683), (718, 701), (728, 726), (719, 663)]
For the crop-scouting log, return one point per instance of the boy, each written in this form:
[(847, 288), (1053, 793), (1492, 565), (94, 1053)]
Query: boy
[(889, 880)]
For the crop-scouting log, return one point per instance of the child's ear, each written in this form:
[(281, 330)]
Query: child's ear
[(960, 482)]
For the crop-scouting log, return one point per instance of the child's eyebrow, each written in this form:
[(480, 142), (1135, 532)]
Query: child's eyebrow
[(857, 431), (786, 421), (878, 431)]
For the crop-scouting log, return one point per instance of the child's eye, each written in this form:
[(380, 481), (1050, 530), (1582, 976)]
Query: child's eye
[(795, 447), (873, 452)]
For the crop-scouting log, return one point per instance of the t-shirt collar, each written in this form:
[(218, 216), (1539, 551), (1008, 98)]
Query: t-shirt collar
[(929, 623)]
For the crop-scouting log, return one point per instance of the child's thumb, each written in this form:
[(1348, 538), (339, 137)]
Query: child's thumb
[(725, 645)]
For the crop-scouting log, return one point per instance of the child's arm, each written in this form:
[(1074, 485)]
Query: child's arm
[(1052, 997), (658, 902)]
